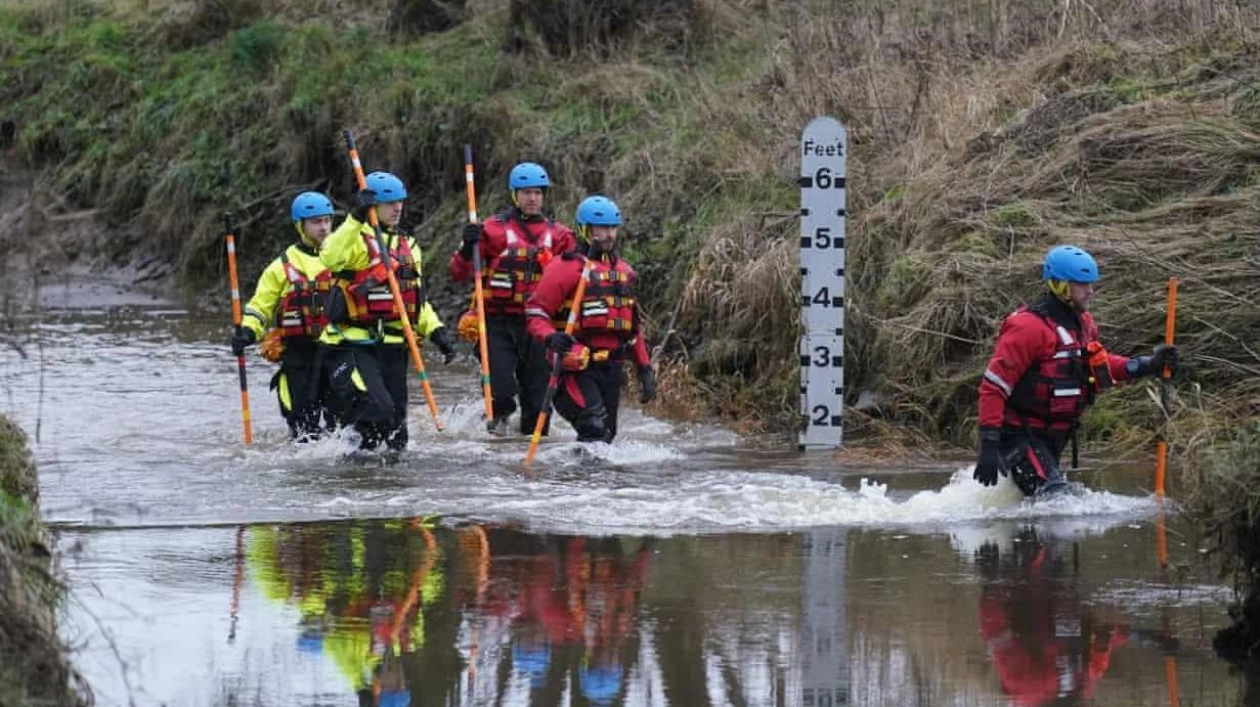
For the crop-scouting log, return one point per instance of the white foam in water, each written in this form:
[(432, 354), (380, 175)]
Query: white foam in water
[(641, 483), (1006, 533), (621, 452), (776, 501)]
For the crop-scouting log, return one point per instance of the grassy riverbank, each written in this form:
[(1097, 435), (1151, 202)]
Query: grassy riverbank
[(979, 138), (33, 664), (982, 132)]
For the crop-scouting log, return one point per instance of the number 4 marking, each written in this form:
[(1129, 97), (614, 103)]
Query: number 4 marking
[(823, 298)]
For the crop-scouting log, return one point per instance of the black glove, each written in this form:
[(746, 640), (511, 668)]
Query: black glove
[(989, 463), (442, 339), (1153, 365), (560, 342), (647, 384), (242, 337), (364, 200), (472, 236)]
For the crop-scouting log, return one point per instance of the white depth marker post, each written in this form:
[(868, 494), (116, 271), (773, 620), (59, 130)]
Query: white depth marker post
[(823, 193)]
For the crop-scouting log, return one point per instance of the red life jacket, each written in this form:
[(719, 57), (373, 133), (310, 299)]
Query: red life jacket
[(1056, 388), (608, 304), (303, 311), (367, 295), (518, 268)]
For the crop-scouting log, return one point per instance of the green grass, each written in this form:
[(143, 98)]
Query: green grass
[(162, 122), (174, 135), (34, 663)]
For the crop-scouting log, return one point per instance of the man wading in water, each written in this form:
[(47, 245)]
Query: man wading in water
[(1046, 368)]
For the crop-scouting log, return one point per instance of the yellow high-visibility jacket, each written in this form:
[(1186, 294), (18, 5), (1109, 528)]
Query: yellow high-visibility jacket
[(345, 252), (274, 285)]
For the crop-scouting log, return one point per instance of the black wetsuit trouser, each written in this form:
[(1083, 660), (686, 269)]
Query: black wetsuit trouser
[(299, 390), (589, 400), (518, 369), (367, 387), (1032, 456)]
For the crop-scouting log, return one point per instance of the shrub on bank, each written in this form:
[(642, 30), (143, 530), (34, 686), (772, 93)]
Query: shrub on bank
[(1224, 497), (33, 665)]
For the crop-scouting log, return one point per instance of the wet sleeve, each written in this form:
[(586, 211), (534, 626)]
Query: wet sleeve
[(427, 321), (493, 241), (542, 305), (1017, 346), (344, 249), (461, 270), (1115, 362), (565, 240), (639, 352), (260, 312), (638, 345), (1119, 366)]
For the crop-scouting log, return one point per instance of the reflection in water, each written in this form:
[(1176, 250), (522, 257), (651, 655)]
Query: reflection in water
[(825, 673), (359, 591), (783, 580), (1047, 644), (411, 619), (427, 612)]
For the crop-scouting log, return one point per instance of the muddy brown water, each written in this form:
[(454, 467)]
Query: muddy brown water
[(680, 566)]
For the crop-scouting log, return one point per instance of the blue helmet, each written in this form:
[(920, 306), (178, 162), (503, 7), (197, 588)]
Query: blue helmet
[(394, 698), (387, 187), (526, 175), (311, 642), (533, 661), (600, 684), (310, 204), (598, 211), (1070, 264)]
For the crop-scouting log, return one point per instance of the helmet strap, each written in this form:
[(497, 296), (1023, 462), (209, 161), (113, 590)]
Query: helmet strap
[(1060, 289), (302, 235)]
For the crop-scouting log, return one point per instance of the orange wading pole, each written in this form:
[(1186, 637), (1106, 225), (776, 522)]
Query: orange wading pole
[(1161, 461), (408, 333), (554, 381), (236, 322), (417, 579), (237, 581), (1170, 676), (1161, 450), (481, 579), (1170, 655), (478, 295)]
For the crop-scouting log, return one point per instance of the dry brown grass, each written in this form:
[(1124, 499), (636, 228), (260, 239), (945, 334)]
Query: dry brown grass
[(976, 148), (979, 138), (1221, 475)]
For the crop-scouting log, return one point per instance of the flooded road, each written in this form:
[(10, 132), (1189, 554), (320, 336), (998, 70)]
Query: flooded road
[(679, 566)]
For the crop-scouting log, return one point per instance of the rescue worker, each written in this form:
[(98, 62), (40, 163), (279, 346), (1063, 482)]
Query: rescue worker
[(607, 331), (287, 313), (1048, 644), (1046, 368), (366, 357), (515, 246), (361, 591)]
